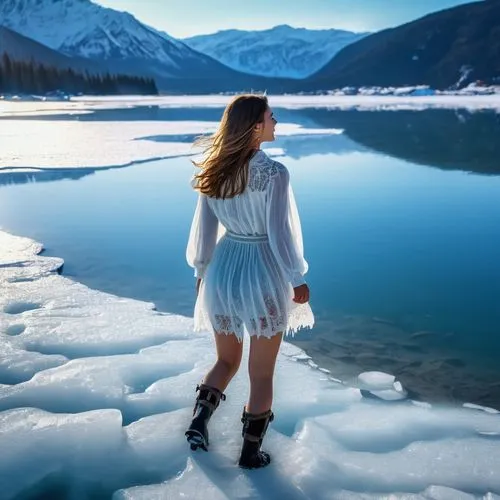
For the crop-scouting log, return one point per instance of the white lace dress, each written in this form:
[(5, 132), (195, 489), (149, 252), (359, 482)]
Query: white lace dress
[(248, 251)]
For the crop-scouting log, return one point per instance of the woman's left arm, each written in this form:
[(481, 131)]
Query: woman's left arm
[(284, 229)]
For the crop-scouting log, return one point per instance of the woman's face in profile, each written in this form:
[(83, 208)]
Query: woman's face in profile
[(269, 125)]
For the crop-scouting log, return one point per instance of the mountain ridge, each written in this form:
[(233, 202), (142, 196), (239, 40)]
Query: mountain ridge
[(281, 51), (447, 48), (123, 43)]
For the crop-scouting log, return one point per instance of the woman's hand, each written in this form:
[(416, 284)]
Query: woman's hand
[(198, 283), (301, 294)]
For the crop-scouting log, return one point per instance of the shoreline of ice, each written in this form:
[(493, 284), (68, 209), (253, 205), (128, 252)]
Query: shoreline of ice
[(365, 100), (135, 142), (97, 388)]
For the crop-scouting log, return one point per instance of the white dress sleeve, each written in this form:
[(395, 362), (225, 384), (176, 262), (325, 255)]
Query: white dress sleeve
[(202, 237), (284, 229)]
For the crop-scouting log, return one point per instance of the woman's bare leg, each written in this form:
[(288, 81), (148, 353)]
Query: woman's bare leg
[(229, 351), (261, 363)]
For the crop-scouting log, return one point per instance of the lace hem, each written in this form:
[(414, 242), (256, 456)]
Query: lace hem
[(299, 317)]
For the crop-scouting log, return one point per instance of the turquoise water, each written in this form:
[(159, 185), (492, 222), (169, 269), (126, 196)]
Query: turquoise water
[(400, 217)]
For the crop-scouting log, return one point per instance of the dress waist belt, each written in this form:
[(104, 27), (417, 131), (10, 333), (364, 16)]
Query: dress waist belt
[(247, 238)]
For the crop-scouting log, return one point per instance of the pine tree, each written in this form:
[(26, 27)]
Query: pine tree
[(7, 67), (35, 78)]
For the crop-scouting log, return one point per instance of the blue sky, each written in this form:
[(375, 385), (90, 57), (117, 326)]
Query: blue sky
[(191, 17)]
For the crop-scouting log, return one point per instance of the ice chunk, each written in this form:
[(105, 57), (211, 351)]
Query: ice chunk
[(38, 444), (376, 380), (386, 394)]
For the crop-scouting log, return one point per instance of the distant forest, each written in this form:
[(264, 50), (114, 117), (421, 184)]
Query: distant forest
[(34, 78)]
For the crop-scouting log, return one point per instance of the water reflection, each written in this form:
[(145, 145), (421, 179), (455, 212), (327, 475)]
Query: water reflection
[(158, 113), (446, 139), (300, 146)]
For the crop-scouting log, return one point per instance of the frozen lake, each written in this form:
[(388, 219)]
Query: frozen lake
[(400, 218), (400, 209)]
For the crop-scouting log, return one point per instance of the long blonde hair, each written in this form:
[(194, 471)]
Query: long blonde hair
[(224, 168)]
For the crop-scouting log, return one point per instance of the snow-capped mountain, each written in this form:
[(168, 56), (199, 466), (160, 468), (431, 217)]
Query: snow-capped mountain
[(21, 48), (282, 51), (83, 28)]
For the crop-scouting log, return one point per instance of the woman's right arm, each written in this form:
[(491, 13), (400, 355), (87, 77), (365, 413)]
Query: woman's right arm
[(284, 230), (202, 238)]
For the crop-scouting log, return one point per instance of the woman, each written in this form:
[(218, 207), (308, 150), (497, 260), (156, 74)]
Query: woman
[(251, 278)]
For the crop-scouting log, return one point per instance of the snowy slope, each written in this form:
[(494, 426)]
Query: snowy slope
[(82, 28), (21, 48), (282, 51)]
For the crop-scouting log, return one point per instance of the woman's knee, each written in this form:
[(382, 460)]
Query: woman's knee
[(230, 366), (229, 352)]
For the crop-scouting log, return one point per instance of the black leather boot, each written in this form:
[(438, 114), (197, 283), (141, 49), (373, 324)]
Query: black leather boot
[(206, 403), (254, 430)]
